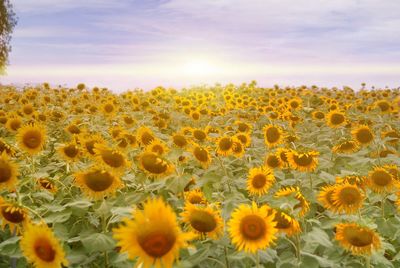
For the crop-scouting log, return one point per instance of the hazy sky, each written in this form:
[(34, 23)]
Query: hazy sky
[(126, 44)]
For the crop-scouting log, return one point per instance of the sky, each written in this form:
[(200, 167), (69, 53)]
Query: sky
[(128, 44)]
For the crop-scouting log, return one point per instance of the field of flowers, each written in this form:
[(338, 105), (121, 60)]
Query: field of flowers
[(221, 176)]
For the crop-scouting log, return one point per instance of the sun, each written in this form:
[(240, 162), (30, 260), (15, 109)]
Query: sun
[(200, 67)]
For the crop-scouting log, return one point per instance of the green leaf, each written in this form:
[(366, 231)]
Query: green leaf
[(98, 242)]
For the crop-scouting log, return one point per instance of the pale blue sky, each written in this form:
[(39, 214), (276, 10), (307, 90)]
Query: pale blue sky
[(126, 44)]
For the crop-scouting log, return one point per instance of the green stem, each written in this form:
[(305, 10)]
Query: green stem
[(298, 250), (226, 257), (367, 262), (257, 260)]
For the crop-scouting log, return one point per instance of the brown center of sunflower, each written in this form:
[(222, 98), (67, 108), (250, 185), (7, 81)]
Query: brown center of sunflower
[(273, 161), (199, 135), (358, 238), (364, 135), (109, 108), (281, 221), (200, 154), (242, 138), (347, 145), (252, 227), (15, 124), (349, 195), (294, 104), (71, 151), (202, 221), (44, 250), (128, 120), (90, 146), (337, 119), (273, 134), (157, 244), (259, 181), (303, 160), (243, 127), (381, 177), (98, 181), (237, 147), (153, 164), (16, 216), (319, 115), (73, 129), (384, 106), (225, 144), (32, 139), (180, 140), (112, 159), (5, 171), (283, 156)]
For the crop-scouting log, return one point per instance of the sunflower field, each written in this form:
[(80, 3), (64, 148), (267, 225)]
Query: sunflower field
[(209, 176)]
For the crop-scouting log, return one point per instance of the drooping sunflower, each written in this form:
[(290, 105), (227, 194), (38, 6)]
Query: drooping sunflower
[(111, 158), (31, 138), (203, 220), (5, 147), (347, 198), (392, 136), (47, 184), (360, 181), (357, 239), (12, 215), (8, 172), (145, 136), (252, 228), (259, 180), (225, 145), (273, 135), (153, 236), (325, 197), (154, 165), (157, 146), (380, 180), (363, 135), (346, 147), (201, 154), (41, 247), (306, 162), (244, 138), (97, 183), (282, 153), (336, 119), (69, 152), (195, 196), (303, 205), (237, 148), (286, 223), (89, 141)]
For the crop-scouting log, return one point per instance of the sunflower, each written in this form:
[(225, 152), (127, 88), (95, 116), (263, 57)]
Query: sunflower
[(154, 165), (347, 198), (89, 141), (360, 181), (199, 134), (325, 197), (97, 183), (273, 161), (302, 204), (157, 146), (286, 223), (336, 119), (348, 146), (41, 247), (306, 162), (357, 239), (179, 140), (380, 180), (202, 155), (112, 158), (5, 147), (8, 172), (392, 136), (47, 185), (318, 115), (203, 220), (31, 138), (224, 145), (13, 123), (195, 196), (243, 127), (259, 180), (12, 215), (244, 138), (273, 135), (70, 152), (108, 109), (237, 148), (145, 135), (282, 153), (252, 228), (363, 135), (153, 236)]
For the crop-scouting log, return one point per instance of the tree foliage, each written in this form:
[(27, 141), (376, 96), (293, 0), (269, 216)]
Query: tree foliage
[(8, 20)]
